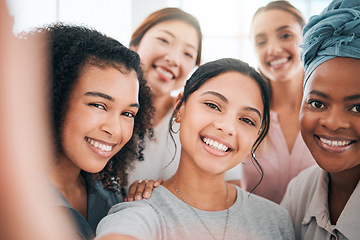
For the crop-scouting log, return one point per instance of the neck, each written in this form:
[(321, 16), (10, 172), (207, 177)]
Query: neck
[(207, 193), (162, 104), (286, 95), (65, 176), (344, 183), (341, 187)]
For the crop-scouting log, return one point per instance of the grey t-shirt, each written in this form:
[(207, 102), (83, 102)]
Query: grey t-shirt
[(164, 216)]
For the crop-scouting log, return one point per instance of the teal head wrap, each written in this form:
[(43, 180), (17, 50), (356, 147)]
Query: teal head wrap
[(333, 33)]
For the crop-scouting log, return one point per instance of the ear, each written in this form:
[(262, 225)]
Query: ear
[(179, 96), (179, 112)]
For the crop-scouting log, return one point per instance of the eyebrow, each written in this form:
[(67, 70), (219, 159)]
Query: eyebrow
[(282, 28), (219, 95), (352, 97), (326, 96), (222, 97), (260, 35), (171, 34), (107, 97), (99, 94), (320, 94)]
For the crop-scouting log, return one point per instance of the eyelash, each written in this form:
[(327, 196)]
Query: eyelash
[(99, 106), (129, 114), (163, 40), (353, 108), (189, 55), (286, 35), (213, 106), (247, 121), (313, 103)]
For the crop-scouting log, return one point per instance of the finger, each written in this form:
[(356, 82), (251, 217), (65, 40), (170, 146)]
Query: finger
[(132, 190), (158, 182), (140, 190), (149, 188)]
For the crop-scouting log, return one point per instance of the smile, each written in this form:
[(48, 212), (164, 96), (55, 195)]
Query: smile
[(278, 62), (101, 146), (215, 144), (165, 73), (334, 143)]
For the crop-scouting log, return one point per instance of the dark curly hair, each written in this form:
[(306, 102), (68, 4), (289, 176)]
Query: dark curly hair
[(73, 47)]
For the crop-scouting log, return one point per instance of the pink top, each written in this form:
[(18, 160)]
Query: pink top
[(279, 166)]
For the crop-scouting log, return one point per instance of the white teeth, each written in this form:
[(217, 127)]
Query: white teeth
[(167, 74), (278, 61), (215, 145), (106, 148), (335, 143)]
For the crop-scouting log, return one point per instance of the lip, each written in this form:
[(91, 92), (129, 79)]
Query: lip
[(279, 62), (164, 73), (334, 144), (98, 151), (214, 151)]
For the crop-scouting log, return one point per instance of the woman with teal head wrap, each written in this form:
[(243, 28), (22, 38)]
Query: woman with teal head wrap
[(333, 33), (324, 201)]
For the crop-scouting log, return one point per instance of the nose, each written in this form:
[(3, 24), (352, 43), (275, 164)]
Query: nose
[(274, 47), (173, 57), (111, 125), (226, 125), (334, 119)]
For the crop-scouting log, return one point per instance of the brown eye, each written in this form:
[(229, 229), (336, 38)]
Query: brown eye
[(355, 109), (316, 104), (99, 106)]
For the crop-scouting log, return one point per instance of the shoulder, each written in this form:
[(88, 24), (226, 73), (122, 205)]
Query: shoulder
[(301, 191), (141, 219), (159, 199), (260, 205), (302, 185), (265, 216)]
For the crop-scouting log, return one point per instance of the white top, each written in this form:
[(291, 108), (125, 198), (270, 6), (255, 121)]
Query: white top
[(164, 216), (306, 199), (158, 154)]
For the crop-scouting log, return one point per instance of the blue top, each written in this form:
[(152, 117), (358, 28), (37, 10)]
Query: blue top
[(99, 201)]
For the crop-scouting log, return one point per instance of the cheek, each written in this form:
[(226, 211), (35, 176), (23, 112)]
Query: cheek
[(307, 124), (127, 130)]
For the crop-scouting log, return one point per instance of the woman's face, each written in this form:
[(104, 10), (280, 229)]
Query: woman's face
[(330, 114), (168, 52), (220, 122), (99, 118), (274, 34)]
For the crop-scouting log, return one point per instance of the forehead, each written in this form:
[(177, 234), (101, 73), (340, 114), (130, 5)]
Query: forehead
[(337, 77), (270, 20), (178, 29), (236, 87), (109, 80)]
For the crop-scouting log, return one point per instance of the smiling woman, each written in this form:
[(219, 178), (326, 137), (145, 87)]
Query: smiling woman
[(323, 201), (223, 115), (101, 110)]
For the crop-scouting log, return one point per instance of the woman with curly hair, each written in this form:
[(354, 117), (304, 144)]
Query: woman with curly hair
[(101, 110)]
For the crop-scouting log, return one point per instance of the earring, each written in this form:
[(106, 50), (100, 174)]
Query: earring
[(172, 124), (252, 154)]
